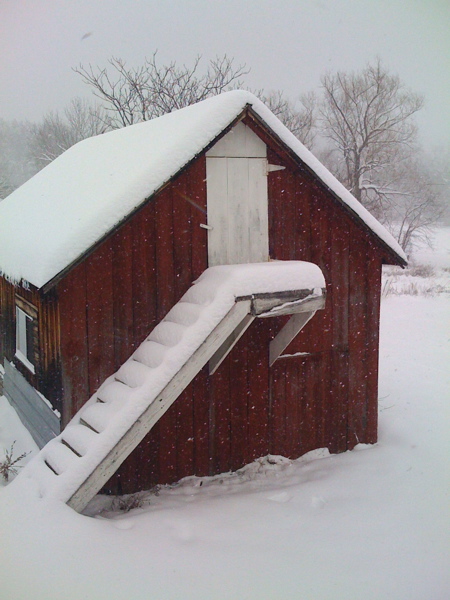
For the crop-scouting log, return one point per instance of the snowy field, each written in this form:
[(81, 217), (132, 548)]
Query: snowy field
[(370, 524)]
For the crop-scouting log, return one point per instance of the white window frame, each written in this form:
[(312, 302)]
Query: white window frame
[(22, 350)]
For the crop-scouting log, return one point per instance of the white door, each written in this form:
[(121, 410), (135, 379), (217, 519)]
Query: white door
[(236, 169)]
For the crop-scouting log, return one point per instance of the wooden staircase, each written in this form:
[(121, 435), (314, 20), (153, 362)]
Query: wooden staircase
[(202, 327)]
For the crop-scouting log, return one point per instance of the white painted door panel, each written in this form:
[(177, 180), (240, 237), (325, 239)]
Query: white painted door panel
[(217, 195), (258, 210), (237, 210), (236, 170)]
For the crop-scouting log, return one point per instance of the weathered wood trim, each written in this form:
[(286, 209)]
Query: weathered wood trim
[(285, 336), (228, 345), (158, 407), (276, 305)]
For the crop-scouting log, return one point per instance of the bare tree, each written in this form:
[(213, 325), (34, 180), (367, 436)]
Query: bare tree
[(301, 121), (56, 133), (131, 95), (413, 209), (367, 118), (437, 162)]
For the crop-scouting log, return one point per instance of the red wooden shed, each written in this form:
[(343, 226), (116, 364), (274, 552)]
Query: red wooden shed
[(104, 243)]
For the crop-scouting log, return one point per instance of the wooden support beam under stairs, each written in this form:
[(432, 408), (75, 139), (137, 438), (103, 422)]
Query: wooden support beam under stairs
[(287, 334), (228, 345)]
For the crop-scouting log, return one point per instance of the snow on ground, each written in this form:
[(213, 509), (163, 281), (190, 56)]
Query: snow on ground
[(369, 524)]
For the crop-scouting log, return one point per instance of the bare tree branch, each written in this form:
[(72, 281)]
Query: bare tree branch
[(131, 95), (56, 133), (302, 121)]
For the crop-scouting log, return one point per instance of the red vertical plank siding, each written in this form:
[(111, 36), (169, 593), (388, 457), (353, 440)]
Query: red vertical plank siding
[(122, 272), (165, 282), (165, 269), (302, 219), (220, 399), (278, 407), (182, 234), (185, 432), (289, 214), (340, 280), (197, 193), (258, 389), (309, 403), (238, 403), (182, 255), (144, 285), (74, 349), (338, 401), (337, 405), (277, 201), (357, 420), (99, 294), (200, 389), (326, 412), (373, 328), (292, 411), (320, 326), (194, 186)]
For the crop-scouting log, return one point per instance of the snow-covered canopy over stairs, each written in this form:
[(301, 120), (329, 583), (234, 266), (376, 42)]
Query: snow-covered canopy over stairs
[(203, 326)]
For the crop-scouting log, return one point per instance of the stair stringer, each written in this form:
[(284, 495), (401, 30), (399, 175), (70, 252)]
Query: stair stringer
[(156, 409)]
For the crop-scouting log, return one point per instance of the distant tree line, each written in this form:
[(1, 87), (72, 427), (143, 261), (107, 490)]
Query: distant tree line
[(360, 125)]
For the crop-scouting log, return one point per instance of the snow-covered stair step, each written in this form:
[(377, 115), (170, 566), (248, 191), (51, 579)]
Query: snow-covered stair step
[(113, 391), (127, 405), (150, 353), (184, 313), (59, 457), (98, 415), (132, 374), (79, 437), (167, 333)]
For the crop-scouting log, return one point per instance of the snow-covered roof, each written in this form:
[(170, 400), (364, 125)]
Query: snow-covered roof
[(56, 216)]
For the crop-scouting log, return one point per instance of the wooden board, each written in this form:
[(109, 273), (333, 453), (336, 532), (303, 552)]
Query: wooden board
[(100, 316), (74, 348), (122, 294)]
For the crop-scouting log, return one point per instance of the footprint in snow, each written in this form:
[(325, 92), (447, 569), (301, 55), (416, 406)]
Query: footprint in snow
[(280, 497)]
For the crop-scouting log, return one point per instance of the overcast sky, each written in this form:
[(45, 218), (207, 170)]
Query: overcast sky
[(287, 44)]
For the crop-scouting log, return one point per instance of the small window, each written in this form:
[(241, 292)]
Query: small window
[(25, 338)]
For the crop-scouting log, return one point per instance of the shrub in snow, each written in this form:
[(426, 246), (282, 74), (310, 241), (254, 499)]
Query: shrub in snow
[(9, 465)]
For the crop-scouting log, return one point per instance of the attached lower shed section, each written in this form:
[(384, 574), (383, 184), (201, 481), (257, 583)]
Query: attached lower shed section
[(94, 312)]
